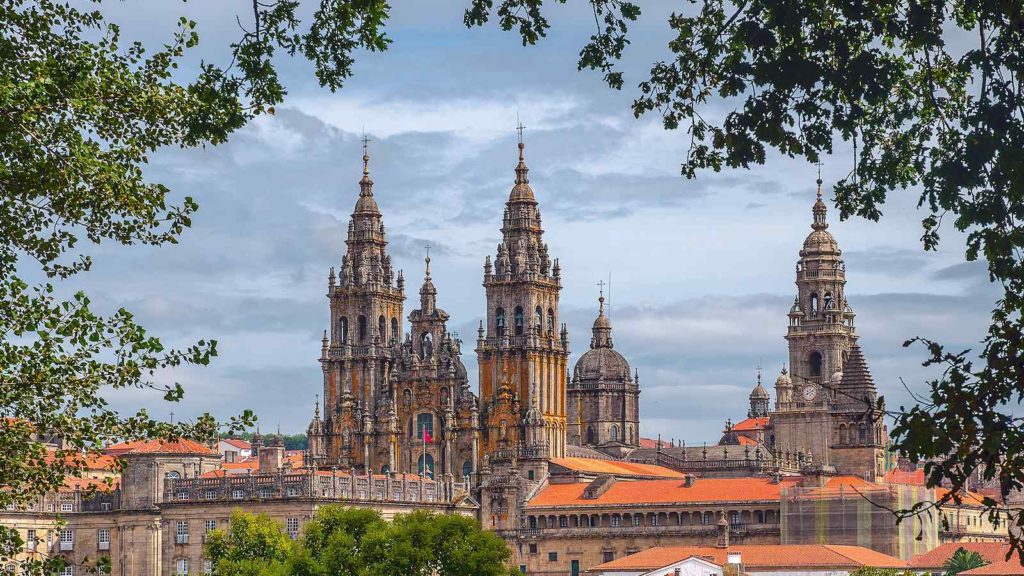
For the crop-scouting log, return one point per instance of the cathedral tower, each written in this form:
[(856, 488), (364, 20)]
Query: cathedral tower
[(603, 396), (358, 349), (523, 350), (825, 407), (821, 329)]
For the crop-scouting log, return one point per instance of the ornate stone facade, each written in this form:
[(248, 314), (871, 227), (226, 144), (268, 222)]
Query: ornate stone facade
[(522, 354), (392, 404)]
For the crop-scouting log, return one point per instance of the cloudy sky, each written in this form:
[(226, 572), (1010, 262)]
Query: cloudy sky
[(702, 270)]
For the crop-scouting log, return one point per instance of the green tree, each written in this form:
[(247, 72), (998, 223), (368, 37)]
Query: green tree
[(80, 113), (358, 542), (928, 95), (332, 542), (253, 545), (962, 560), (423, 543)]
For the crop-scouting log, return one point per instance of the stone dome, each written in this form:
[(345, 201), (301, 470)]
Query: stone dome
[(602, 362), (783, 379), (821, 242), (759, 392), (366, 203), (521, 191)]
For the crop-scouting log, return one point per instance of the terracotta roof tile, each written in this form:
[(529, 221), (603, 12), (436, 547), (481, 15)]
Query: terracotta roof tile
[(181, 446), (237, 443), (934, 558), (966, 496), (85, 484), (1004, 568), (913, 478), (664, 491), (759, 423), (614, 467), (754, 557)]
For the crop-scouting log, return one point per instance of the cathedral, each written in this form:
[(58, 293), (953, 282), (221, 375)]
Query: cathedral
[(546, 454), (401, 401)]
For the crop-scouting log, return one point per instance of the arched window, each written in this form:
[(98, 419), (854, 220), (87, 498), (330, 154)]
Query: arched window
[(590, 434), (843, 438), (863, 432), (706, 518), (538, 320), (426, 465), (173, 474), (814, 303), (362, 329), (343, 329), (382, 329), (425, 421), (827, 301), (519, 320), (394, 330), (384, 469), (551, 321), (734, 517), (815, 364), (499, 320), (615, 432), (467, 470), (533, 522), (426, 346)]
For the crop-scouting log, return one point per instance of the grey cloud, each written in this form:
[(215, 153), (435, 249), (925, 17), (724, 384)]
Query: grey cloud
[(890, 261), (976, 270)]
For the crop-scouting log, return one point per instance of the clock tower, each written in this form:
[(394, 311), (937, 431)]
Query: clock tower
[(816, 407)]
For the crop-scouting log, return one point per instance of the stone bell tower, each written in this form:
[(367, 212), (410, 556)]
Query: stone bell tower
[(825, 407), (523, 350), (821, 330), (358, 350)]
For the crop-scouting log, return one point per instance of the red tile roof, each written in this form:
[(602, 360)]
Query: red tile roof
[(664, 491), (653, 443), (966, 497), (86, 484), (237, 443), (89, 461), (614, 467), (936, 557), (181, 446), (744, 441), (913, 478), (1004, 568), (759, 557), (749, 424)]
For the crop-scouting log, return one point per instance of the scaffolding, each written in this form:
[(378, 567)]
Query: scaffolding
[(859, 515)]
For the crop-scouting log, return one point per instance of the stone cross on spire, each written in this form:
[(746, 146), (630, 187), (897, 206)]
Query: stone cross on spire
[(366, 154)]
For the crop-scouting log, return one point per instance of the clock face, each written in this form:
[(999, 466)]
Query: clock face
[(810, 392)]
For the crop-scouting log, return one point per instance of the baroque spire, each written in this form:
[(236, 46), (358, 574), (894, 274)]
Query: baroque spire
[(819, 210), (602, 329), (428, 293)]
